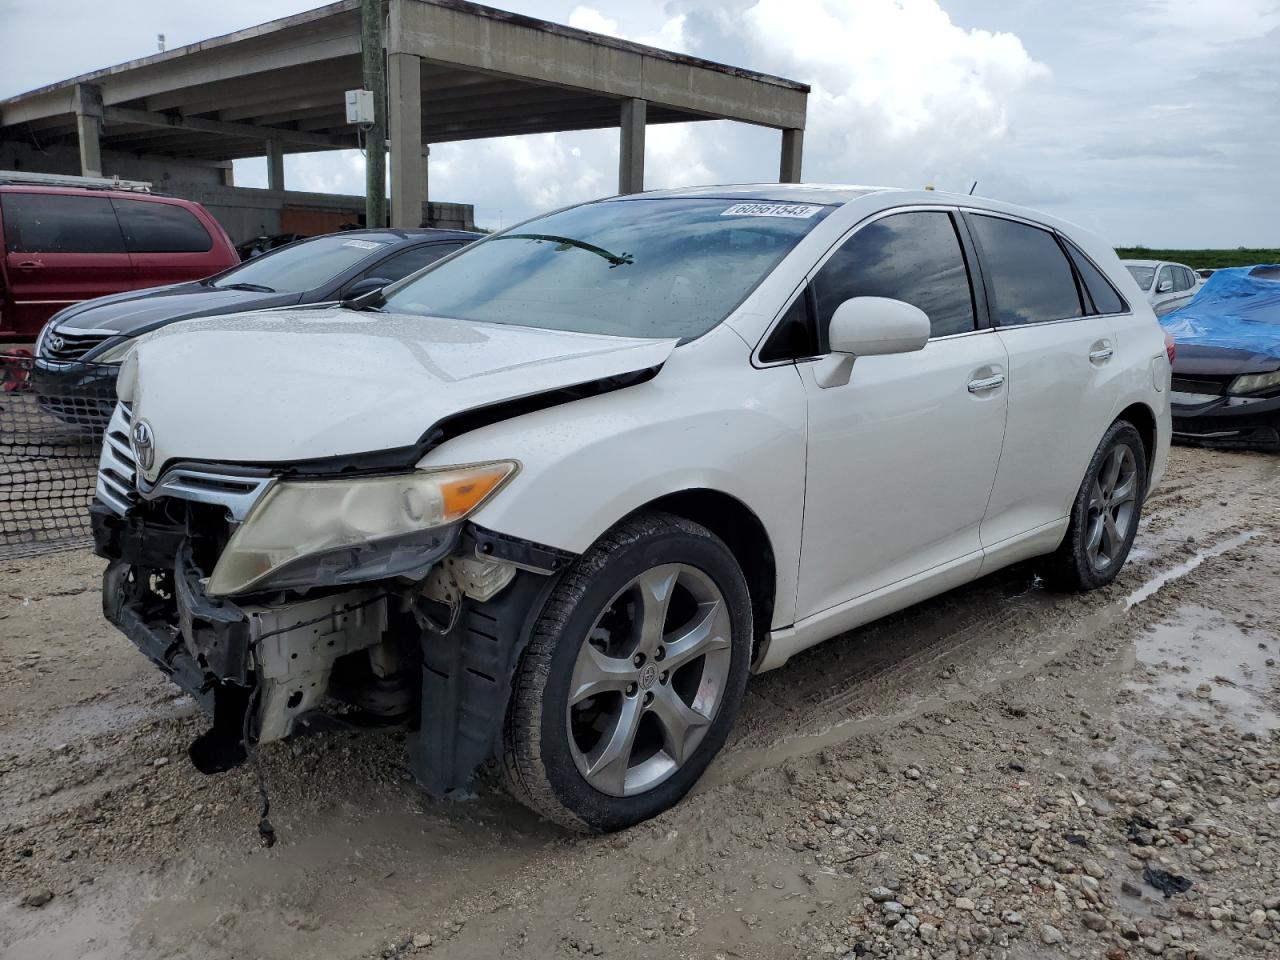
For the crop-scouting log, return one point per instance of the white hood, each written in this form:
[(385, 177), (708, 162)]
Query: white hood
[(301, 384)]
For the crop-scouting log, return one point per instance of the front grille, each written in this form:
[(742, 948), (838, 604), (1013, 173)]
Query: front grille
[(67, 346), (117, 470), (234, 489)]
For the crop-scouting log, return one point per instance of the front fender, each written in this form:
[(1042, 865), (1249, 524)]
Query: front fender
[(708, 420)]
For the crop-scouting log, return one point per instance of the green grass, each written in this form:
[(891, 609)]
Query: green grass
[(1203, 259)]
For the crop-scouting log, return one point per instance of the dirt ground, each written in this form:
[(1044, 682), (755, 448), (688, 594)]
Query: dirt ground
[(1000, 772)]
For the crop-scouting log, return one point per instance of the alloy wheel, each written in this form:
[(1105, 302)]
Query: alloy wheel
[(649, 679), (1113, 507)]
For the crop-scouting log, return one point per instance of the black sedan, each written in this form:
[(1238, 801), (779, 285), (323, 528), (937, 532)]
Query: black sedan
[(80, 349)]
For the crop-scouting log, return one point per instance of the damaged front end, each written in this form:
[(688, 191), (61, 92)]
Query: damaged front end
[(424, 636)]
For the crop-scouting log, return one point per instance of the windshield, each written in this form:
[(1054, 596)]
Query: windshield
[(630, 268), (300, 267), (1144, 275)]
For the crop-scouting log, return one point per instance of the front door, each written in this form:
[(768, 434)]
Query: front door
[(901, 458), (60, 249)]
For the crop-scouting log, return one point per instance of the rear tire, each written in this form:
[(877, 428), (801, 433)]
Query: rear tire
[(1104, 515), (632, 677)]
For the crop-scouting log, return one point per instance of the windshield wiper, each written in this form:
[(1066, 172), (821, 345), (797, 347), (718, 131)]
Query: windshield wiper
[(615, 260), (251, 287)]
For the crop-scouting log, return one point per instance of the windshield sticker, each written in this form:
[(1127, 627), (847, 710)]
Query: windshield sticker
[(363, 244), (799, 211)]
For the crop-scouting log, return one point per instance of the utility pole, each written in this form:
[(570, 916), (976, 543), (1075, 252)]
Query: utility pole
[(375, 164)]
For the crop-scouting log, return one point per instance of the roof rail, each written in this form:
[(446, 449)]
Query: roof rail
[(66, 180)]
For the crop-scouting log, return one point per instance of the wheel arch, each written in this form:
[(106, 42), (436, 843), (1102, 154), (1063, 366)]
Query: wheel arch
[(1144, 421), (746, 537)]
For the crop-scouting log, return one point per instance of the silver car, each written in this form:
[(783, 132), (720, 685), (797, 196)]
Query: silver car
[(1168, 286)]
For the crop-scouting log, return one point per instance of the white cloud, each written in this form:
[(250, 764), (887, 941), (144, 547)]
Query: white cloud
[(892, 79), (588, 18), (669, 35)]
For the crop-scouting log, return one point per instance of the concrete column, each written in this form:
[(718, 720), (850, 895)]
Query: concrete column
[(631, 146), (87, 102), (275, 165), (792, 154), (426, 182), (404, 116)]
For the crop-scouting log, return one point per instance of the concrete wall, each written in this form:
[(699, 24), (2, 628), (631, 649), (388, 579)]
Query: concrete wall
[(247, 212), (244, 212)]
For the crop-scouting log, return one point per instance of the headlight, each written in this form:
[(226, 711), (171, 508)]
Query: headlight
[(326, 532), (1253, 382), (118, 353)]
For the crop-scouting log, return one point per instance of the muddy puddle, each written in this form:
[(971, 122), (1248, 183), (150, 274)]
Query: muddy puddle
[(1152, 585), (1202, 664)]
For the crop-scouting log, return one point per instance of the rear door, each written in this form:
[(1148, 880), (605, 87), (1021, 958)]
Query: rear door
[(1063, 383), (60, 249), (902, 457), (167, 242)]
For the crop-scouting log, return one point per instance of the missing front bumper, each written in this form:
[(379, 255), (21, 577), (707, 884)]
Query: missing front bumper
[(274, 663), (284, 653)]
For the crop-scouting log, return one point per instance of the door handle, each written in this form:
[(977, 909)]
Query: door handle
[(29, 265), (1101, 355), (986, 383)]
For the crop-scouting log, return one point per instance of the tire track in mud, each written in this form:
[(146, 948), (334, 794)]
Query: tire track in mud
[(973, 639)]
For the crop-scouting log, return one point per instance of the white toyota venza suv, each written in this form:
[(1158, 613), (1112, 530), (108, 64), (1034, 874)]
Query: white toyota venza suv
[(549, 502)]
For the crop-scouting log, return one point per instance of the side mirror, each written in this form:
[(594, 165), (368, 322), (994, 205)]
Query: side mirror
[(367, 285), (870, 327), (1164, 286)]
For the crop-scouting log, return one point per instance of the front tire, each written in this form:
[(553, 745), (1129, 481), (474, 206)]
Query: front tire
[(632, 677), (1104, 515)]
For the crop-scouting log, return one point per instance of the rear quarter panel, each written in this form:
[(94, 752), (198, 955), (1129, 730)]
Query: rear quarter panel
[(1140, 346)]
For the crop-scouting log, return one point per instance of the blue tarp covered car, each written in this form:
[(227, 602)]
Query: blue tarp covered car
[(1226, 374)]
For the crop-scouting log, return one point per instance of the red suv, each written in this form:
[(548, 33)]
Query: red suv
[(63, 245)]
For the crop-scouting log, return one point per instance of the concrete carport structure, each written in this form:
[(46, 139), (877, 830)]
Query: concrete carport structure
[(455, 71)]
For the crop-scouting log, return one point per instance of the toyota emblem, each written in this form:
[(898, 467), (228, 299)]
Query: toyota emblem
[(143, 443)]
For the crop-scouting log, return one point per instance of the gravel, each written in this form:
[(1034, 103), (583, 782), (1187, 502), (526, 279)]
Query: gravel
[(999, 774)]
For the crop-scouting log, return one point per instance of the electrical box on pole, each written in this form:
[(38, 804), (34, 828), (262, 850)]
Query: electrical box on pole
[(360, 107)]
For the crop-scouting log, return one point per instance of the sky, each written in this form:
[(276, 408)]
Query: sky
[(1151, 122)]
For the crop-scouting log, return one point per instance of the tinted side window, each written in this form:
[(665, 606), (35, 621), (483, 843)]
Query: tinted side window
[(1188, 279), (1028, 272), (51, 223), (1105, 297), (794, 336), (411, 261), (1164, 277), (914, 257), (161, 228)]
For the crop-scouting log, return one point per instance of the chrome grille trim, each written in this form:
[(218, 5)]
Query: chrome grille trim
[(75, 344), (120, 486), (117, 471), (235, 491)]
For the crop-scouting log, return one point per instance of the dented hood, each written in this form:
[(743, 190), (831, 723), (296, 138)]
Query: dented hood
[(303, 384)]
